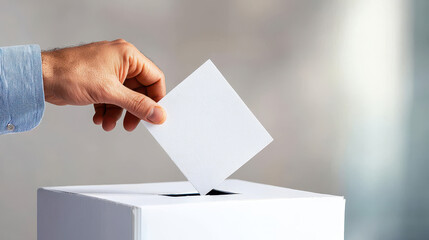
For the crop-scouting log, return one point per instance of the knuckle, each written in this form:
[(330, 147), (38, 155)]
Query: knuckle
[(122, 44), (162, 80), (161, 76), (142, 106), (120, 40), (126, 48)]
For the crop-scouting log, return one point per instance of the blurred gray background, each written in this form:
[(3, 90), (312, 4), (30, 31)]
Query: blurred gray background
[(340, 85)]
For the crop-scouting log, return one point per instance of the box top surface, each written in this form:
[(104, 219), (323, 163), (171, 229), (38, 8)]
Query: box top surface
[(169, 193)]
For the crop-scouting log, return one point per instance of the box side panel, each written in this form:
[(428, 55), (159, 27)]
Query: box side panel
[(68, 216), (297, 219)]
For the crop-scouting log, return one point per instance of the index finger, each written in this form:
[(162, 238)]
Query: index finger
[(148, 74)]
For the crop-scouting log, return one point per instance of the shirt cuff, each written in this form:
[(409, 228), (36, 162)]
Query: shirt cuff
[(22, 100)]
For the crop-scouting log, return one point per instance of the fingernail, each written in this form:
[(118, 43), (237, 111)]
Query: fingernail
[(157, 115)]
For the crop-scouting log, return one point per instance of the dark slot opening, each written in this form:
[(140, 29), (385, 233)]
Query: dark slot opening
[(213, 192)]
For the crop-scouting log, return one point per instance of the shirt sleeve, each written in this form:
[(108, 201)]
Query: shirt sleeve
[(22, 100)]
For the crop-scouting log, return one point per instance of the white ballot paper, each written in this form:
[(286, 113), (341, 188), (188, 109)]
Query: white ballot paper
[(209, 132)]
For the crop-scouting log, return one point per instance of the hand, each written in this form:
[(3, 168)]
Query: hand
[(112, 75)]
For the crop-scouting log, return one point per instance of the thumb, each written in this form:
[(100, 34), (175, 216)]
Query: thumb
[(139, 105)]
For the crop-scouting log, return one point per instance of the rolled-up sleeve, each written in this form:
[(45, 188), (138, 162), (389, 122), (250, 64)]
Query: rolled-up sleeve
[(22, 100)]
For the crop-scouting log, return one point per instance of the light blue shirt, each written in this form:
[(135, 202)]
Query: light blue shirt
[(22, 100)]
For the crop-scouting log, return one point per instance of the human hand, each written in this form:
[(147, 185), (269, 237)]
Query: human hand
[(112, 75)]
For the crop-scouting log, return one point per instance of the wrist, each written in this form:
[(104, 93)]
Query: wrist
[(48, 74)]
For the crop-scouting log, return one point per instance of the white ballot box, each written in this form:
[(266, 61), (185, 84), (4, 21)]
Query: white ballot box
[(174, 210)]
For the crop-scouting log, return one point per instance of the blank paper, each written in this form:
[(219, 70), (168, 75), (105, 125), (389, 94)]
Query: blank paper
[(209, 132)]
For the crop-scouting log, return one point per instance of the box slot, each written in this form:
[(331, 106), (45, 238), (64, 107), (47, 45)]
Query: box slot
[(213, 192)]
